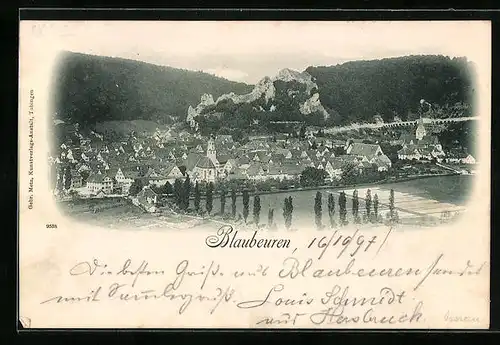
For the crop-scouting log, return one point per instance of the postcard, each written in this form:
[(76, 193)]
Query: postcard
[(254, 174)]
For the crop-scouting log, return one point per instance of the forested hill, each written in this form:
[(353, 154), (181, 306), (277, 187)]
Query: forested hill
[(90, 89), (356, 91)]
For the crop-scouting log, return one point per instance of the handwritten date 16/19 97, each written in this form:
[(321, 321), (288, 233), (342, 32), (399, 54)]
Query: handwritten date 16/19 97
[(357, 241)]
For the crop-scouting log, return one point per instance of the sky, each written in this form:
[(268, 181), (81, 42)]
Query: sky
[(248, 51)]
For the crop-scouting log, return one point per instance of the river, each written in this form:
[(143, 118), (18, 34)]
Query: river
[(414, 198)]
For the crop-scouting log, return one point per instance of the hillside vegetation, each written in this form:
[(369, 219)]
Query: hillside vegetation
[(356, 91), (93, 89), (90, 89)]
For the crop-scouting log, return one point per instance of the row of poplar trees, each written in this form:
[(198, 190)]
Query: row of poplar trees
[(182, 191), (369, 216)]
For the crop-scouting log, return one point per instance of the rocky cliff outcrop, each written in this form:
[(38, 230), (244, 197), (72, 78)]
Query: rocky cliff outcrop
[(312, 105), (264, 88), (289, 75), (205, 101), (288, 88)]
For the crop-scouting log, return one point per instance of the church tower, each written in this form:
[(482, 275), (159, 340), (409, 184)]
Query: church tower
[(420, 132), (211, 152)]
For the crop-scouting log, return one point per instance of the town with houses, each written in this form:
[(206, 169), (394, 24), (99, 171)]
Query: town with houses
[(98, 167)]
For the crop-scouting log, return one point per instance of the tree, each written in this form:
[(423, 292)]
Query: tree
[(186, 193), (246, 200), (222, 201), (311, 176), (73, 194), (67, 177), (375, 207), (178, 192), (233, 203), (391, 205), (59, 183), (368, 204), (349, 173), (85, 175), (270, 217), (197, 197), (135, 187), (182, 169), (355, 205), (288, 212), (256, 209), (342, 208), (209, 198), (302, 132), (167, 188), (318, 209), (331, 209), (290, 205)]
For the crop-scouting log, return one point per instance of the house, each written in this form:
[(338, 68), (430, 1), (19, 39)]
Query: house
[(222, 160), (255, 172), (260, 156), (469, 159), (98, 182), (334, 168), (222, 140), (76, 179), (324, 150), (285, 152), (275, 171), (230, 165), (100, 194), (171, 172), (244, 162), (291, 171), (319, 165), (409, 153), (304, 154), (137, 147), (276, 159), (148, 199), (204, 170), (364, 151), (117, 147), (314, 154), (236, 174), (82, 167), (126, 178), (281, 138), (458, 156), (337, 143), (191, 160), (382, 162), (153, 177)]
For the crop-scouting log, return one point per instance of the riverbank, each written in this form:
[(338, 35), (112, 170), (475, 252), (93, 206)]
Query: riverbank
[(420, 200), (330, 186)]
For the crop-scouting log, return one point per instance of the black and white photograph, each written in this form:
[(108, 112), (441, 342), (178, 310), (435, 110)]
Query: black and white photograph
[(287, 131), (254, 174)]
